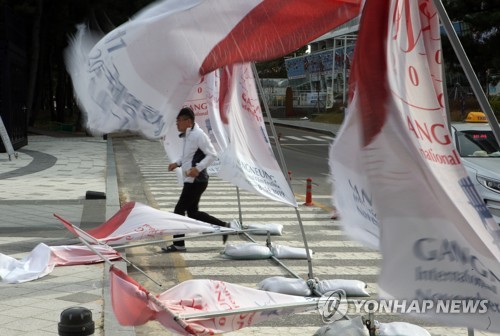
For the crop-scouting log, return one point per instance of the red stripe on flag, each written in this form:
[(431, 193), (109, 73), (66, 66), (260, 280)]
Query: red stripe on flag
[(106, 229), (225, 81), (129, 299), (67, 224), (369, 70), (277, 27)]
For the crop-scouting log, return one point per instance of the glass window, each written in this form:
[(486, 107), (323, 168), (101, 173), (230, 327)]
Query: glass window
[(477, 143)]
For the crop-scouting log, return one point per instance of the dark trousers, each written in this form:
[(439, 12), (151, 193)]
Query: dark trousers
[(188, 203)]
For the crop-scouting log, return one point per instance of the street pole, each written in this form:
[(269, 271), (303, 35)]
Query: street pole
[(284, 169)]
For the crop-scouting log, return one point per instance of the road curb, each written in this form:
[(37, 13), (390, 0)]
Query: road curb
[(111, 326)]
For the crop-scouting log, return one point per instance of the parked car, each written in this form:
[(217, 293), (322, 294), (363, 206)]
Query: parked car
[(480, 153)]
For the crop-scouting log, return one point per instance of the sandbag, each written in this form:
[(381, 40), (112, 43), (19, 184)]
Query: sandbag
[(247, 251), (401, 329), (287, 252), (279, 284), (351, 287), (353, 327), (262, 229)]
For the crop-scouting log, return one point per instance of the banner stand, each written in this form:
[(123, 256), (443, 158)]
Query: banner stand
[(268, 242), (6, 141), (276, 259), (284, 168), (187, 237), (150, 296), (77, 231)]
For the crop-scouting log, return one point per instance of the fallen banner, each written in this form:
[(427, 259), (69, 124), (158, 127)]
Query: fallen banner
[(200, 307), (136, 221), (42, 260)]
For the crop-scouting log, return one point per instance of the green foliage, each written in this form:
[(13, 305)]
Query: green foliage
[(495, 104), (329, 118)]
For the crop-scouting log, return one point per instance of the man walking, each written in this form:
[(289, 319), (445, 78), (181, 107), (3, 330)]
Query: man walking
[(197, 154)]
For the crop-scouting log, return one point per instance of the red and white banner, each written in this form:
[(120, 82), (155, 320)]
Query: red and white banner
[(136, 221), (249, 161), (42, 260), (139, 75), (438, 240), (133, 305)]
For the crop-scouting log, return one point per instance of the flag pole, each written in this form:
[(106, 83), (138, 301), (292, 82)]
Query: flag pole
[(283, 167), (97, 241), (276, 260), (203, 235), (467, 67), (151, 297), (203, 316)]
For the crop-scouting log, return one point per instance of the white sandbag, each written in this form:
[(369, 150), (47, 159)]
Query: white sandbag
[(247, 251), (287, 252), (401, 329), (352, 327), (279, 284), (351, 287), (262, 229)]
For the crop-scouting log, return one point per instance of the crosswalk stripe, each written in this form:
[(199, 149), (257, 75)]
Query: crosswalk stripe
[(272, 138), (313, 138), (294, 138)]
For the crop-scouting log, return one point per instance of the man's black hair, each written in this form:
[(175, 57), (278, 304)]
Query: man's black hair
[(186, 112)]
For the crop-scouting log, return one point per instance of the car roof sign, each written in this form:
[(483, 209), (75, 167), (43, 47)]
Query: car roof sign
[(476, 117)]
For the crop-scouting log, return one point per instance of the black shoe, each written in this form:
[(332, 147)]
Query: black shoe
[(173, 248), (224, 238)]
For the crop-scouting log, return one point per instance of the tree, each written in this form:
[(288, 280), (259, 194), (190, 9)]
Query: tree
[(480, 36)]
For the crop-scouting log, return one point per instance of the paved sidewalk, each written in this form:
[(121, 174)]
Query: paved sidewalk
[(52, 175)]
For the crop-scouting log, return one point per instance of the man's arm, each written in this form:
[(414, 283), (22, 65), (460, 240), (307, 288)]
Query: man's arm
[(172, 166)]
